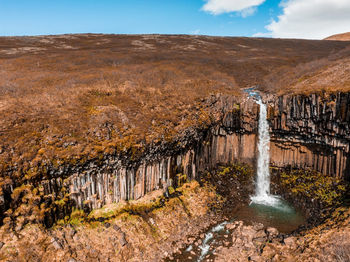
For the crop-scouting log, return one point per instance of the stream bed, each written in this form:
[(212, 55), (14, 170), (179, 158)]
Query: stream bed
[(283, 217)]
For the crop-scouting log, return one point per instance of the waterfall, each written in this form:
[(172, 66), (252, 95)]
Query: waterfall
[(262, 194), (263, 176)]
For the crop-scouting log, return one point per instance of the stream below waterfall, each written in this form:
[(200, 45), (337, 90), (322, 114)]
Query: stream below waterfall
[(283, 217), (264, 211)]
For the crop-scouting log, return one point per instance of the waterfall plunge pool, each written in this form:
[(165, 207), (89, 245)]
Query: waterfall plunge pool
[(282, 216), (264, 208)]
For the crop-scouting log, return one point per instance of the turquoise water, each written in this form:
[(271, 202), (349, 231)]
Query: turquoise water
[(281, 216)]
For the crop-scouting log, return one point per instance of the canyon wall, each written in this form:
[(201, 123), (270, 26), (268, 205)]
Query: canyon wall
[(307, 131), (311, 131), (233, 140)]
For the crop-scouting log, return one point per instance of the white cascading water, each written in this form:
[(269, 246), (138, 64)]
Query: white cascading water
[(262, 194)]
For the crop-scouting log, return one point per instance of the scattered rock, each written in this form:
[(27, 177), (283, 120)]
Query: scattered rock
[(72, 232), (258, 226), (234, 225), (190, 240), (151, 220), (56, 244), (272, 232), (76, 237), (122, 240), (290, 242), (116, 228), (269, 252), (254, 258)]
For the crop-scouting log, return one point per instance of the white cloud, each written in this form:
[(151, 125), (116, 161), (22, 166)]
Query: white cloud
[(195, 32), (312, 19), (248, 11), (244, 7)]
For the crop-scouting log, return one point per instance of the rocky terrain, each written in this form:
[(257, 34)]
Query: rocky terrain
[(256, 243), (93, 122), (115, 233), (159, 226)]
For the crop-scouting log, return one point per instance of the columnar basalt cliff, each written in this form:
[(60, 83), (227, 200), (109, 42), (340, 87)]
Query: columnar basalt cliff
[(232, 139), (307, 131), (312, 131)]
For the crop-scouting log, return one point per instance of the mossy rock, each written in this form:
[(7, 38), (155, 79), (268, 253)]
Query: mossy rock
[(324, 189)]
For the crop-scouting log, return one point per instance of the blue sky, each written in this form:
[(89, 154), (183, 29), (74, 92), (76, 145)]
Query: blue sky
[(266, 17), (33, 17)]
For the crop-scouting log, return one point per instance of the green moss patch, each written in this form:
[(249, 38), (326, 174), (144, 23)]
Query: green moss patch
[(323, 190)]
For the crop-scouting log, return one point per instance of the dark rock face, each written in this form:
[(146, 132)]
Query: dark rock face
[(113, 180), (306, 131), (312, 131), (234, 139)]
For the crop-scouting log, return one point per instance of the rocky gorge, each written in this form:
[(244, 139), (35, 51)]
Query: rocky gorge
[(307, 131), (144, 181)]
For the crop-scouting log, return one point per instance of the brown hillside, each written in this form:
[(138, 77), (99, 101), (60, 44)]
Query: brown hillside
[(339, 37), (330, 74), (73, 96)]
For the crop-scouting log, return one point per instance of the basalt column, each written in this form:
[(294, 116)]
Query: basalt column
[(311, 132)]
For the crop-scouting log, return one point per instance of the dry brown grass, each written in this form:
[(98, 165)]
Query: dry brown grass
[(328, 74), (75, 96)]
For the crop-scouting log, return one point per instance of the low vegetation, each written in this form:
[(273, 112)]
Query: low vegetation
[(317, 194), (151, 203), (67, 99), (325, 75)]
